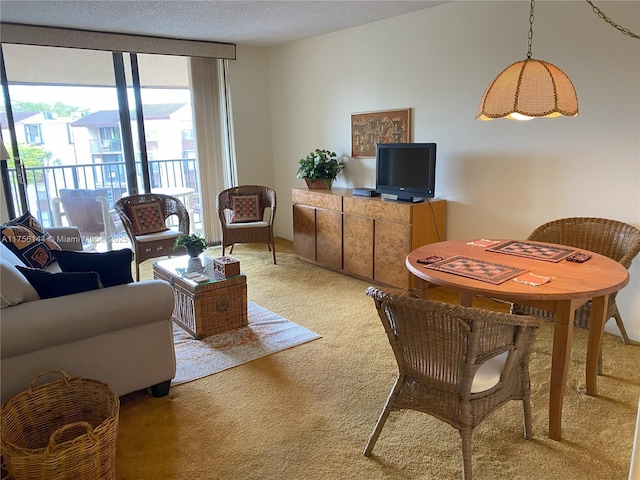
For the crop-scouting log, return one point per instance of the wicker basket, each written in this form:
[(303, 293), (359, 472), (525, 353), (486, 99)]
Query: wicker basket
[(66, 429)]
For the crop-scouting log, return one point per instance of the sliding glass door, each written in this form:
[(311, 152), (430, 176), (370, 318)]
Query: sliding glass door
[(98, 124)]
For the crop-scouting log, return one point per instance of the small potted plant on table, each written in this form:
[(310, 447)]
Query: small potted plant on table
[(193, 242), (319, 169)]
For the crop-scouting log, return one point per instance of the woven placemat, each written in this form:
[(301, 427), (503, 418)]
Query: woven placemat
[(548, 253), (489, 272)]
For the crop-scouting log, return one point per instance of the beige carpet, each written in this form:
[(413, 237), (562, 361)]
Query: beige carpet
[(306, 412)]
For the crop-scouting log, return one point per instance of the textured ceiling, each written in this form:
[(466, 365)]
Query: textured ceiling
[(244, 22)]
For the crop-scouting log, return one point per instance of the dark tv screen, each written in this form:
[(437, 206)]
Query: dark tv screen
[(406, 170)]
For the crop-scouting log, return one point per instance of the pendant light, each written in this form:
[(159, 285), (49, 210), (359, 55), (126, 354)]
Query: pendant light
[(528, 89)]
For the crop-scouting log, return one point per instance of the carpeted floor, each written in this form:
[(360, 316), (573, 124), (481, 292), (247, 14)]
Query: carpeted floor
[(306, 412)]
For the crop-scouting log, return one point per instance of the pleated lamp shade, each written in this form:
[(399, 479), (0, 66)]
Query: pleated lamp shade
[(529, 89)]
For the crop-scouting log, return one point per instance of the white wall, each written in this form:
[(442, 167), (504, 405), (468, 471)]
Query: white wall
[(501, 178)]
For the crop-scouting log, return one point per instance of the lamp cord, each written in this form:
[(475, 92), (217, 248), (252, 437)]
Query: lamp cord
[(601, 14)]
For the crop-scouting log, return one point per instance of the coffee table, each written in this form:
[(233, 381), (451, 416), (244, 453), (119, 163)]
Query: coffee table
[(206, 308)]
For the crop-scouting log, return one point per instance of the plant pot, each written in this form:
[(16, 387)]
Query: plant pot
[(192, 252), (319, 183)]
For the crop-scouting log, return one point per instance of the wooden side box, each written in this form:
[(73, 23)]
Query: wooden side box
[(207, 308), (226, 266)]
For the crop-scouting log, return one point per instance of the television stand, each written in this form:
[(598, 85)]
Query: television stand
[(410, 199), (365, 237)]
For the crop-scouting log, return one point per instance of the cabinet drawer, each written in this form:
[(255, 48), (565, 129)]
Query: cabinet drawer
[(377, 208), (323, 199)]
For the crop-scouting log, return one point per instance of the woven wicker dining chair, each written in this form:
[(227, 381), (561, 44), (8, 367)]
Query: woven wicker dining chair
[(458, 364), (150, 211), (241, 212), (614, 239)]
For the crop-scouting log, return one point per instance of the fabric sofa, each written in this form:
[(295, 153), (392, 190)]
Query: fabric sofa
[(121, 335)]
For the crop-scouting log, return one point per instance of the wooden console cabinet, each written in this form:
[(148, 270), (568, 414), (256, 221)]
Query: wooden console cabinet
[(366, 237)]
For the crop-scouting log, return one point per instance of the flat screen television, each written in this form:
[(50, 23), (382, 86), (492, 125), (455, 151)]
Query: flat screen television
[(407, 170)]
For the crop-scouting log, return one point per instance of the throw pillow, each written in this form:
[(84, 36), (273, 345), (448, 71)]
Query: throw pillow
[(50, 285), (31, 243), (245, 208), (146, 218), (113, 267)]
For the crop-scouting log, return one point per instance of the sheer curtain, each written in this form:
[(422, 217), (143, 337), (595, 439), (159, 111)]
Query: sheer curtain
[(213, 137)]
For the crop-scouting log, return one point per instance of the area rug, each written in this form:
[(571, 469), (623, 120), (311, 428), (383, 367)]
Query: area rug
[(266, 333)]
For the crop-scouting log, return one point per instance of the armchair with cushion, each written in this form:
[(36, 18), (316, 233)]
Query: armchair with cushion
[(241, 211), (458, 364), (614, 239), (120, 334), (144, 217)]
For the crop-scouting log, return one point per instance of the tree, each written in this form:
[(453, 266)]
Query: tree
[(31, 156)]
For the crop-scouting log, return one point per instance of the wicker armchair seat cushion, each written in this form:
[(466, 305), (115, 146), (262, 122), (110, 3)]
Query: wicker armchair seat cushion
[(154, 237), (248, 225), (489, 373)]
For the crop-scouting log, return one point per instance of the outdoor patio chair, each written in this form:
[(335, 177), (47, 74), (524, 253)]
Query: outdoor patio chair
[(87, 209)]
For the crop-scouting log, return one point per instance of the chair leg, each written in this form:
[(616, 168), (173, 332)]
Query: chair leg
[(273, 251), (137, 271), (620, 324), (465, 435), (377, 429), (383, 416), (526, 410), (231, 251)]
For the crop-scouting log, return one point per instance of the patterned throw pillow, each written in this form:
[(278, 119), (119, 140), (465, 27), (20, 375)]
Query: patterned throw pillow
[(245, 208), (147, 218), (31, 243)]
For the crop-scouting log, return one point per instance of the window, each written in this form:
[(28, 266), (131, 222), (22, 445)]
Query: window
[(33, 134)]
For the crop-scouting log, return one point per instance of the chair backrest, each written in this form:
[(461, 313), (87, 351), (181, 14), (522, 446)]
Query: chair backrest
[(442, 346), (616, 240), (267, 200), (84, 208), (168, 205)]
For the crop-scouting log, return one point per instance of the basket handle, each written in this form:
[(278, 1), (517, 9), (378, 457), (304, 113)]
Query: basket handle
[(65, 378), (52, 439)]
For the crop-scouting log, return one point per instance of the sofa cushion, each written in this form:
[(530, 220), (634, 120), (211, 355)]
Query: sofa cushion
[(146, 218), (245, 208), (15, 287), (51, 285), (114, 268)]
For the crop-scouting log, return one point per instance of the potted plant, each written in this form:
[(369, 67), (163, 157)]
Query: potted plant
[(319, 169), (193, 242)]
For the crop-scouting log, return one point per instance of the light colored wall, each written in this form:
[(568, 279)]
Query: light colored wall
[(251, 117), (501, 178)]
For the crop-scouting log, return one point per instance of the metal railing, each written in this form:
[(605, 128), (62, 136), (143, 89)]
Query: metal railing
[(44, 183)]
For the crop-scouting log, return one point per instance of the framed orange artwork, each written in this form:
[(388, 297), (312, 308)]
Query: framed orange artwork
[(386, 126)]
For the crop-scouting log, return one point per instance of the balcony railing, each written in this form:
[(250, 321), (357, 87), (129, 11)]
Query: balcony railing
[(44, 183)]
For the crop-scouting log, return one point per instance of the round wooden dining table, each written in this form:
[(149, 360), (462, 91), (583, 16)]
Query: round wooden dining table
[(570, 285)]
